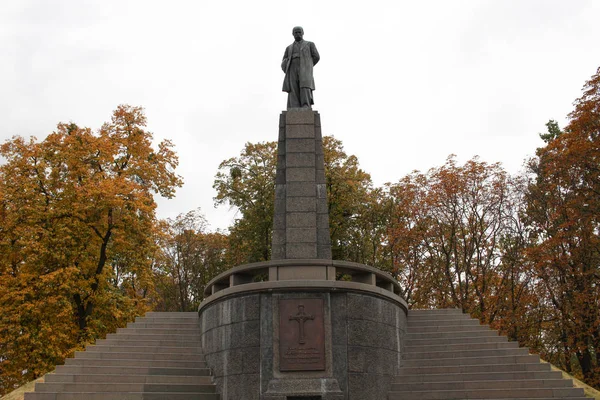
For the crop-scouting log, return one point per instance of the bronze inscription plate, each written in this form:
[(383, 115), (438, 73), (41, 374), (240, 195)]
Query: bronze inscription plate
[(301, 335)]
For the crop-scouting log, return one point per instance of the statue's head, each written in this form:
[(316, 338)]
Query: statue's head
[(298, 32)]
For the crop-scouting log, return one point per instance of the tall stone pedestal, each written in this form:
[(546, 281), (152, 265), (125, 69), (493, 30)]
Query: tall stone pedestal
[(302, 334), (301, 219)]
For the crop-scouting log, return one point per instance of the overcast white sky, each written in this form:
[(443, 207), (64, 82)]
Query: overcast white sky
[(402, 83)]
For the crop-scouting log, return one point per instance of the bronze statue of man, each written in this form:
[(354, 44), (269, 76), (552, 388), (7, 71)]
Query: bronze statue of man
[(298, 61)]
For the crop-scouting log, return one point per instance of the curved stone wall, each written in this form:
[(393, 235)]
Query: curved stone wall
[(240, 333), (231, 345)]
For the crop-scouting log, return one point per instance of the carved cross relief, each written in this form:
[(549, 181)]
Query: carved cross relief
[(301, 317)]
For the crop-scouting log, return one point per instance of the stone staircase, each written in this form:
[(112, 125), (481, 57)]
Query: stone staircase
[(157, 357), (449, 355)]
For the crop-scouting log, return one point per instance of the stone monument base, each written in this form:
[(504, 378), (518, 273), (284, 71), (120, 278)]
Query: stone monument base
[(322, 389), (300, 338)]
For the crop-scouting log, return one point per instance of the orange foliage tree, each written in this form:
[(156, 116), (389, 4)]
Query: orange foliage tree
[(563, 210), (76, 237), (188, 258)]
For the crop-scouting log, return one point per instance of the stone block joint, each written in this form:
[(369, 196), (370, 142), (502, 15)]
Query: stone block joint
[(300, 194)]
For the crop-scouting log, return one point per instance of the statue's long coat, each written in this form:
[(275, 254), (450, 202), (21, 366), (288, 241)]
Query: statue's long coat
[(309, 56)]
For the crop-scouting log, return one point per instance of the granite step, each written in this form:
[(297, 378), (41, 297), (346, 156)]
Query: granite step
[(163, 325), (159, 331), (443, 322), (121, 396), (132, 336), (409, 350), (128, 370), (131, 355), (55, 387), (436, 355), (171, 315), (483, 384), (531, 393), (481, 376), (188, 322), (446, 328), (451, 335), (448, 355), (415, 340), (469, 369), (121, 378), (92, 362), (481, 360), (157, 342), (157, 357), (132, 347)]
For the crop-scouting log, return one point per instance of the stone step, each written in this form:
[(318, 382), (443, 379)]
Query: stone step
[(415, 340), (172, 315), (416, 319), (452, 335), (447, 355), (134, 363), (434, 312), (124, 387), (481, 376), (529, 393), (152, 336), (469, 369), (483, 360), (483, 384), (153, 355), (175, 320), (443, 322), (428, 355), (120, 378), (409, 350), (160, 331), (120, 341), (165, 325), (420, 330), (158, 357), (131, 370), (132, 348), (121, 396)]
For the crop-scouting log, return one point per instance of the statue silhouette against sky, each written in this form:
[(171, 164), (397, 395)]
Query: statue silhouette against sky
[(298, 61)]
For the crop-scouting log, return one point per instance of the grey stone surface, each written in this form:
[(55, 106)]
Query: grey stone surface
[(300, 145), (239, 338), (301, 159), (295, 204), (300, 174), (299, 117), (305, 131), (302, 219), (300, 191), (301, 250), (301, 235), (368, 386)]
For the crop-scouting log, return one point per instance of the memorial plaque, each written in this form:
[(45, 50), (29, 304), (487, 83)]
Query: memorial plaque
[(301, 335)]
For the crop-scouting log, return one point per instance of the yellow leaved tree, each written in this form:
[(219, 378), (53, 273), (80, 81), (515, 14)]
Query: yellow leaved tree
[(77, 237)]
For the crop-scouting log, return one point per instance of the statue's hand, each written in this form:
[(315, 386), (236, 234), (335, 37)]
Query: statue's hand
[(284, 64)]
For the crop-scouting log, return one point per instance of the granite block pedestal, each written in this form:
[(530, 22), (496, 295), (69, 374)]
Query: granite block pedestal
[(304, 333)]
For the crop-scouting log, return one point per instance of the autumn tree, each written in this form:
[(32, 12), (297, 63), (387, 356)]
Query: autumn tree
[(189, 257), (76, 238), (453, 232), (246, 182), (351, 204), (563, 210)]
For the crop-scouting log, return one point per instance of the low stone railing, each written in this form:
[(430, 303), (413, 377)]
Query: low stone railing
[(305, 275)]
